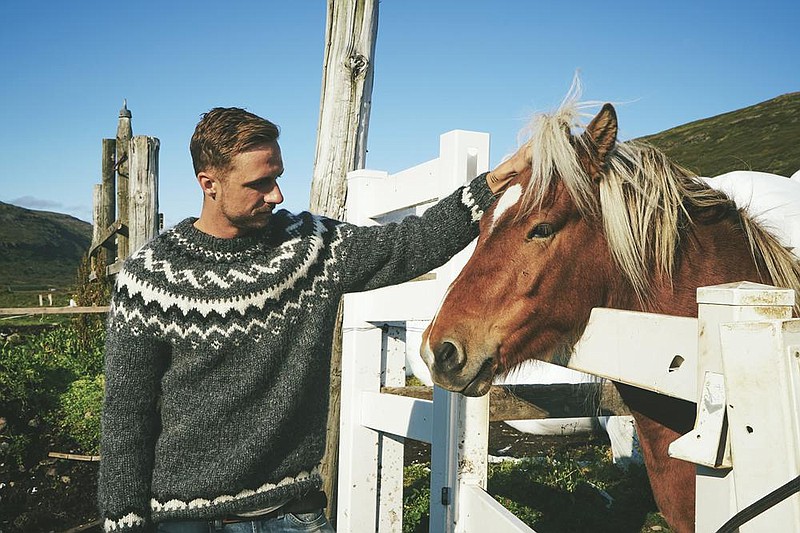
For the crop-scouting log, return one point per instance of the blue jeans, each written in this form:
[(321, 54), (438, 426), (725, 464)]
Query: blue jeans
[(287, 523)]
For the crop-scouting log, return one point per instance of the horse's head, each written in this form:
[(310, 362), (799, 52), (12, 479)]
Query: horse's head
[(540, 265)]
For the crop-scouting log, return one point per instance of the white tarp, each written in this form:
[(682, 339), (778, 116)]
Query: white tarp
[(772, 200)]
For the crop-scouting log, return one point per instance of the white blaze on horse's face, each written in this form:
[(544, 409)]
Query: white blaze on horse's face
[(509, 199)]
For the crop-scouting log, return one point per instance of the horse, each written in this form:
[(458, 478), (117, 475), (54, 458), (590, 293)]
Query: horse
[(597, 222)]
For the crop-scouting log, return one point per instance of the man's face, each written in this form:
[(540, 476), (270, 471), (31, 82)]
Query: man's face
[(249, 191)]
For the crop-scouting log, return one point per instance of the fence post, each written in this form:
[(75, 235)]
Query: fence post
[(107, 209), (103, 199), (124, 134), (391, 447), (358, 488), (462, 156), (459, 443), (97, 225), (732, 302), (762, 377), (357, 503), (459, 448), (143, 191)]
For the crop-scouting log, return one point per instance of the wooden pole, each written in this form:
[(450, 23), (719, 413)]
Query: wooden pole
[(103, 199), (22, 311), (108, 187), (97, 200), (124, 134), (143, 191), (347, 75), (540, 401), (345, 102)]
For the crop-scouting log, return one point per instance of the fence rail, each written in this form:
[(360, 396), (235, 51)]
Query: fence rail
[(538, 401), (68, 310)]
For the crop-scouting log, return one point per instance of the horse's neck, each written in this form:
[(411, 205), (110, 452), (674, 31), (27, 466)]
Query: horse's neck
[(711, 254)]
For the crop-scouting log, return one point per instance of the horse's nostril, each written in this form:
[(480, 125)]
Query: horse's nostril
[(448, 358)]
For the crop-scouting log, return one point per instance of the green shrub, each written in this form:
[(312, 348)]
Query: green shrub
[(35, 371), (416, 497), (78, 415)]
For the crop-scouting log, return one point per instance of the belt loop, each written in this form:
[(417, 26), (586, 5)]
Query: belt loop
[(218, 524)]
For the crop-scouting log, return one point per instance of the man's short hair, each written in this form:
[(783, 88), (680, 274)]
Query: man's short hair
[(225, 132)]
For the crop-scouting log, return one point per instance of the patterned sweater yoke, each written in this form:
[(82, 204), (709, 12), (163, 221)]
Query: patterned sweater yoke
[(217, 356)]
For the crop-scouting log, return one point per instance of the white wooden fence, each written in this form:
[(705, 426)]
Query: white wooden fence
[(742, 330), (741, 359), (375, 424)]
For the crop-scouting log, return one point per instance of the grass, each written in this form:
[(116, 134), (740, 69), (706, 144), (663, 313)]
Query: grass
[(566, 489), (762, 137)]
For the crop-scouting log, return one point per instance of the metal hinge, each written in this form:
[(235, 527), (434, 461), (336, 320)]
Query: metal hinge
[(445, 495)]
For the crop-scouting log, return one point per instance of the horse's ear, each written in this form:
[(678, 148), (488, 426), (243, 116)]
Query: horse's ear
[(599, 139)]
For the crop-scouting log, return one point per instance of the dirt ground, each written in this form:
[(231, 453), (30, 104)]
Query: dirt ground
[(54, 495)]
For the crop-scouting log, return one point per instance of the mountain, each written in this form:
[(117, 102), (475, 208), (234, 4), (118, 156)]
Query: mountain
[(763, 137), (39, 249)]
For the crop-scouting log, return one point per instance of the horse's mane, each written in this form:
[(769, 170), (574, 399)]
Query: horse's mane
[(646, 202)]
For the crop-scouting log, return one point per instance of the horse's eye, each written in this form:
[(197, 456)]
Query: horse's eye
[(541, 231)]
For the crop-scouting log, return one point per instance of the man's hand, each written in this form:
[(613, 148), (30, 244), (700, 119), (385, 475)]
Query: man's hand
[(499, 178)]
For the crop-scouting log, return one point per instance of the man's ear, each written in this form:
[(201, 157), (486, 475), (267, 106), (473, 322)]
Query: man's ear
[(208, 184)]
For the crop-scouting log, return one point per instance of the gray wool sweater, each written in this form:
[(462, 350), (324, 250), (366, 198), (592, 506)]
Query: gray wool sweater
[(218, 355)]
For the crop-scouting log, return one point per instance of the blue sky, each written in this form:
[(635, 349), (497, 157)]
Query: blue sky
[(439, 65)]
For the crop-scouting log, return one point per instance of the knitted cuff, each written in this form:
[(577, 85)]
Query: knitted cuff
[(477, 196)]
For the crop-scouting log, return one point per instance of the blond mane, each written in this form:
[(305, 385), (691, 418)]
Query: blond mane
[(645, 201)]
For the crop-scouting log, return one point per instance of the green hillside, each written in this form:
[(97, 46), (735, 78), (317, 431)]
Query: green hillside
[(39, 249), (764, 137)]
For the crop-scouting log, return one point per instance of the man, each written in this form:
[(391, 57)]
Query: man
[(217, 350)]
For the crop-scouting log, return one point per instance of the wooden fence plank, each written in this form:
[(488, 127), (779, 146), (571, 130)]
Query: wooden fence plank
[(6, 311), (539, 401)]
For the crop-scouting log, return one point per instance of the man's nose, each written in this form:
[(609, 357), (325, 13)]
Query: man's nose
[(274, 196)]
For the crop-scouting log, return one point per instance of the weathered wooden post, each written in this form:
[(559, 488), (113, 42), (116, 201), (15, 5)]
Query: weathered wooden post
[(347, 75), (143, 222), (103, 195), (97, 224), (133, 163), (107, 210), (124, 134), (346, 101)]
